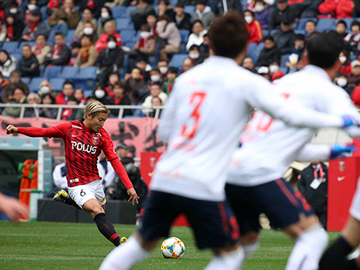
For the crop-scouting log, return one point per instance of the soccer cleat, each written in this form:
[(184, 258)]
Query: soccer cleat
[(123, 240), (61, 196)]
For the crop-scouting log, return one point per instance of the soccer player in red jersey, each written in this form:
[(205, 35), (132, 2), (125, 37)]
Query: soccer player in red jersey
[(84, 140)]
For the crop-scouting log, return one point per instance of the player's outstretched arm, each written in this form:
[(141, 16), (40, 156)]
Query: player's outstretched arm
[(320, 152), (58, 131), (12, 207)]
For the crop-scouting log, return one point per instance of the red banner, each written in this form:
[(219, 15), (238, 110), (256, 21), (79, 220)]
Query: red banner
[(139, 134)]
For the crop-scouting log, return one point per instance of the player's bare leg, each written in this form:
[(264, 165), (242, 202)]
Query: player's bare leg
[(250, 243), (97, 212), (310, 242), (335, 256)]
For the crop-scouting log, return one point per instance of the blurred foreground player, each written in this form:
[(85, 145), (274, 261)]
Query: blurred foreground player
[(84, 140), (255, 183), (189, 178)]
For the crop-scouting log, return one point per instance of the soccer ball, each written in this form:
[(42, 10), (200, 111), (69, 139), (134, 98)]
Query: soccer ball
[(173, 248)]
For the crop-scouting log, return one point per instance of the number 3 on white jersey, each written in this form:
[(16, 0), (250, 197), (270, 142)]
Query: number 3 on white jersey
[(196, 100)]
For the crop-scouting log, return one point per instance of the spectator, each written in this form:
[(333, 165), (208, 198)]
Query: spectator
[(75, 49), (187, 64), (203, 13), (34, 27), (15, 81), (313, 184), (337, 8), (254, 27), (310, 27), (89, 30), (145, 46), (12, 29), (41, 48), (3, 83), (197, 36), (32, 98), (163, 66), (120, 97), (352, 39), (139, 15), (45, 87), (151, 21), (167, 30), (264, 72), (171, 77), (87, 16), (354, 78), (155, 101), (113, 78), (106, 16), (101, 95), (14, 10), (262, 13), (88, 54), (342, 81), (18, 96), (52, 6), (28, 65), (283, 10), (110, 30), (69, 114), (51, 113), (164, 8), (110, 60), (67, 92), (133, 84), (145, 69), (305, 8), (194, 54), (273, 68), (94, 6), (7, 63), (182, 19), (286, 37), (64, 18), (80, 98), (277, 75), (345, 61), (155, 91), (248, 63), (269, 54), (299, 45), (341, 28), (31, 6), (60, 54)]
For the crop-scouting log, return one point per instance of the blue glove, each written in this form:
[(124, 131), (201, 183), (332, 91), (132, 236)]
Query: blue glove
[(348, 121), (338, 150)]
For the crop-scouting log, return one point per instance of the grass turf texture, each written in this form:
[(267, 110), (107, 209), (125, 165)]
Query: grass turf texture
[(45, 245)]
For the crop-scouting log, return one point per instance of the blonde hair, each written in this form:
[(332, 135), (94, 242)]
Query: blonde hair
[(94, 108)]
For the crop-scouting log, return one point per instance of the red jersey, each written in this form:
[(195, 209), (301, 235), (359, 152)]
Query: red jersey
[(82, 148)]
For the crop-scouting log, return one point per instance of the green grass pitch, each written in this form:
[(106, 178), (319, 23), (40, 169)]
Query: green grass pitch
[(45, 245)]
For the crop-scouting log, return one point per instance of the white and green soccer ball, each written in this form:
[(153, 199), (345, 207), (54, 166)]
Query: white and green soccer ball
[(172, 248)]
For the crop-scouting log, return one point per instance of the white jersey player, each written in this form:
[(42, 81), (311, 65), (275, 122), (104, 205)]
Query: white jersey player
[(269, 146), (206, 112)]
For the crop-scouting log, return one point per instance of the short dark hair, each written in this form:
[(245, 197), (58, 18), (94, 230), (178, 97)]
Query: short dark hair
[(165, 17), (59, 34), (311, 21), (68, 82), (47, 95), (194, 46), (41, 34), (156, 83), (324, 48), (145, 27), (180, 5), (86, 36), (229, 35), (87, 8), (299, 37), (201, 2), (355, 23), (198, 21), (75, 44), (27, 45), (119, 84), (252, 13), (20, 88), (72, 99), (271, 38), (155, 69), (15, 72), (342, 22), (173, 70)]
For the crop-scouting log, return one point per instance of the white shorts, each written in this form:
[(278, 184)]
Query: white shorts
[(94, 190), (355, 205)]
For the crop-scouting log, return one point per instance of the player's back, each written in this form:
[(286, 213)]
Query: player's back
[(269, 145), (203, 120)]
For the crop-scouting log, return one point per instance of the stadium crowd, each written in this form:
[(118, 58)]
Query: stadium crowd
[(127, 52)]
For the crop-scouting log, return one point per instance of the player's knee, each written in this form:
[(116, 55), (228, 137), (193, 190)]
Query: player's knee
[(249, 238)]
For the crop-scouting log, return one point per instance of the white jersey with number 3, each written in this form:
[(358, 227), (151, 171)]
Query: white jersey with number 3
[(206, 112), (269, 146)]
